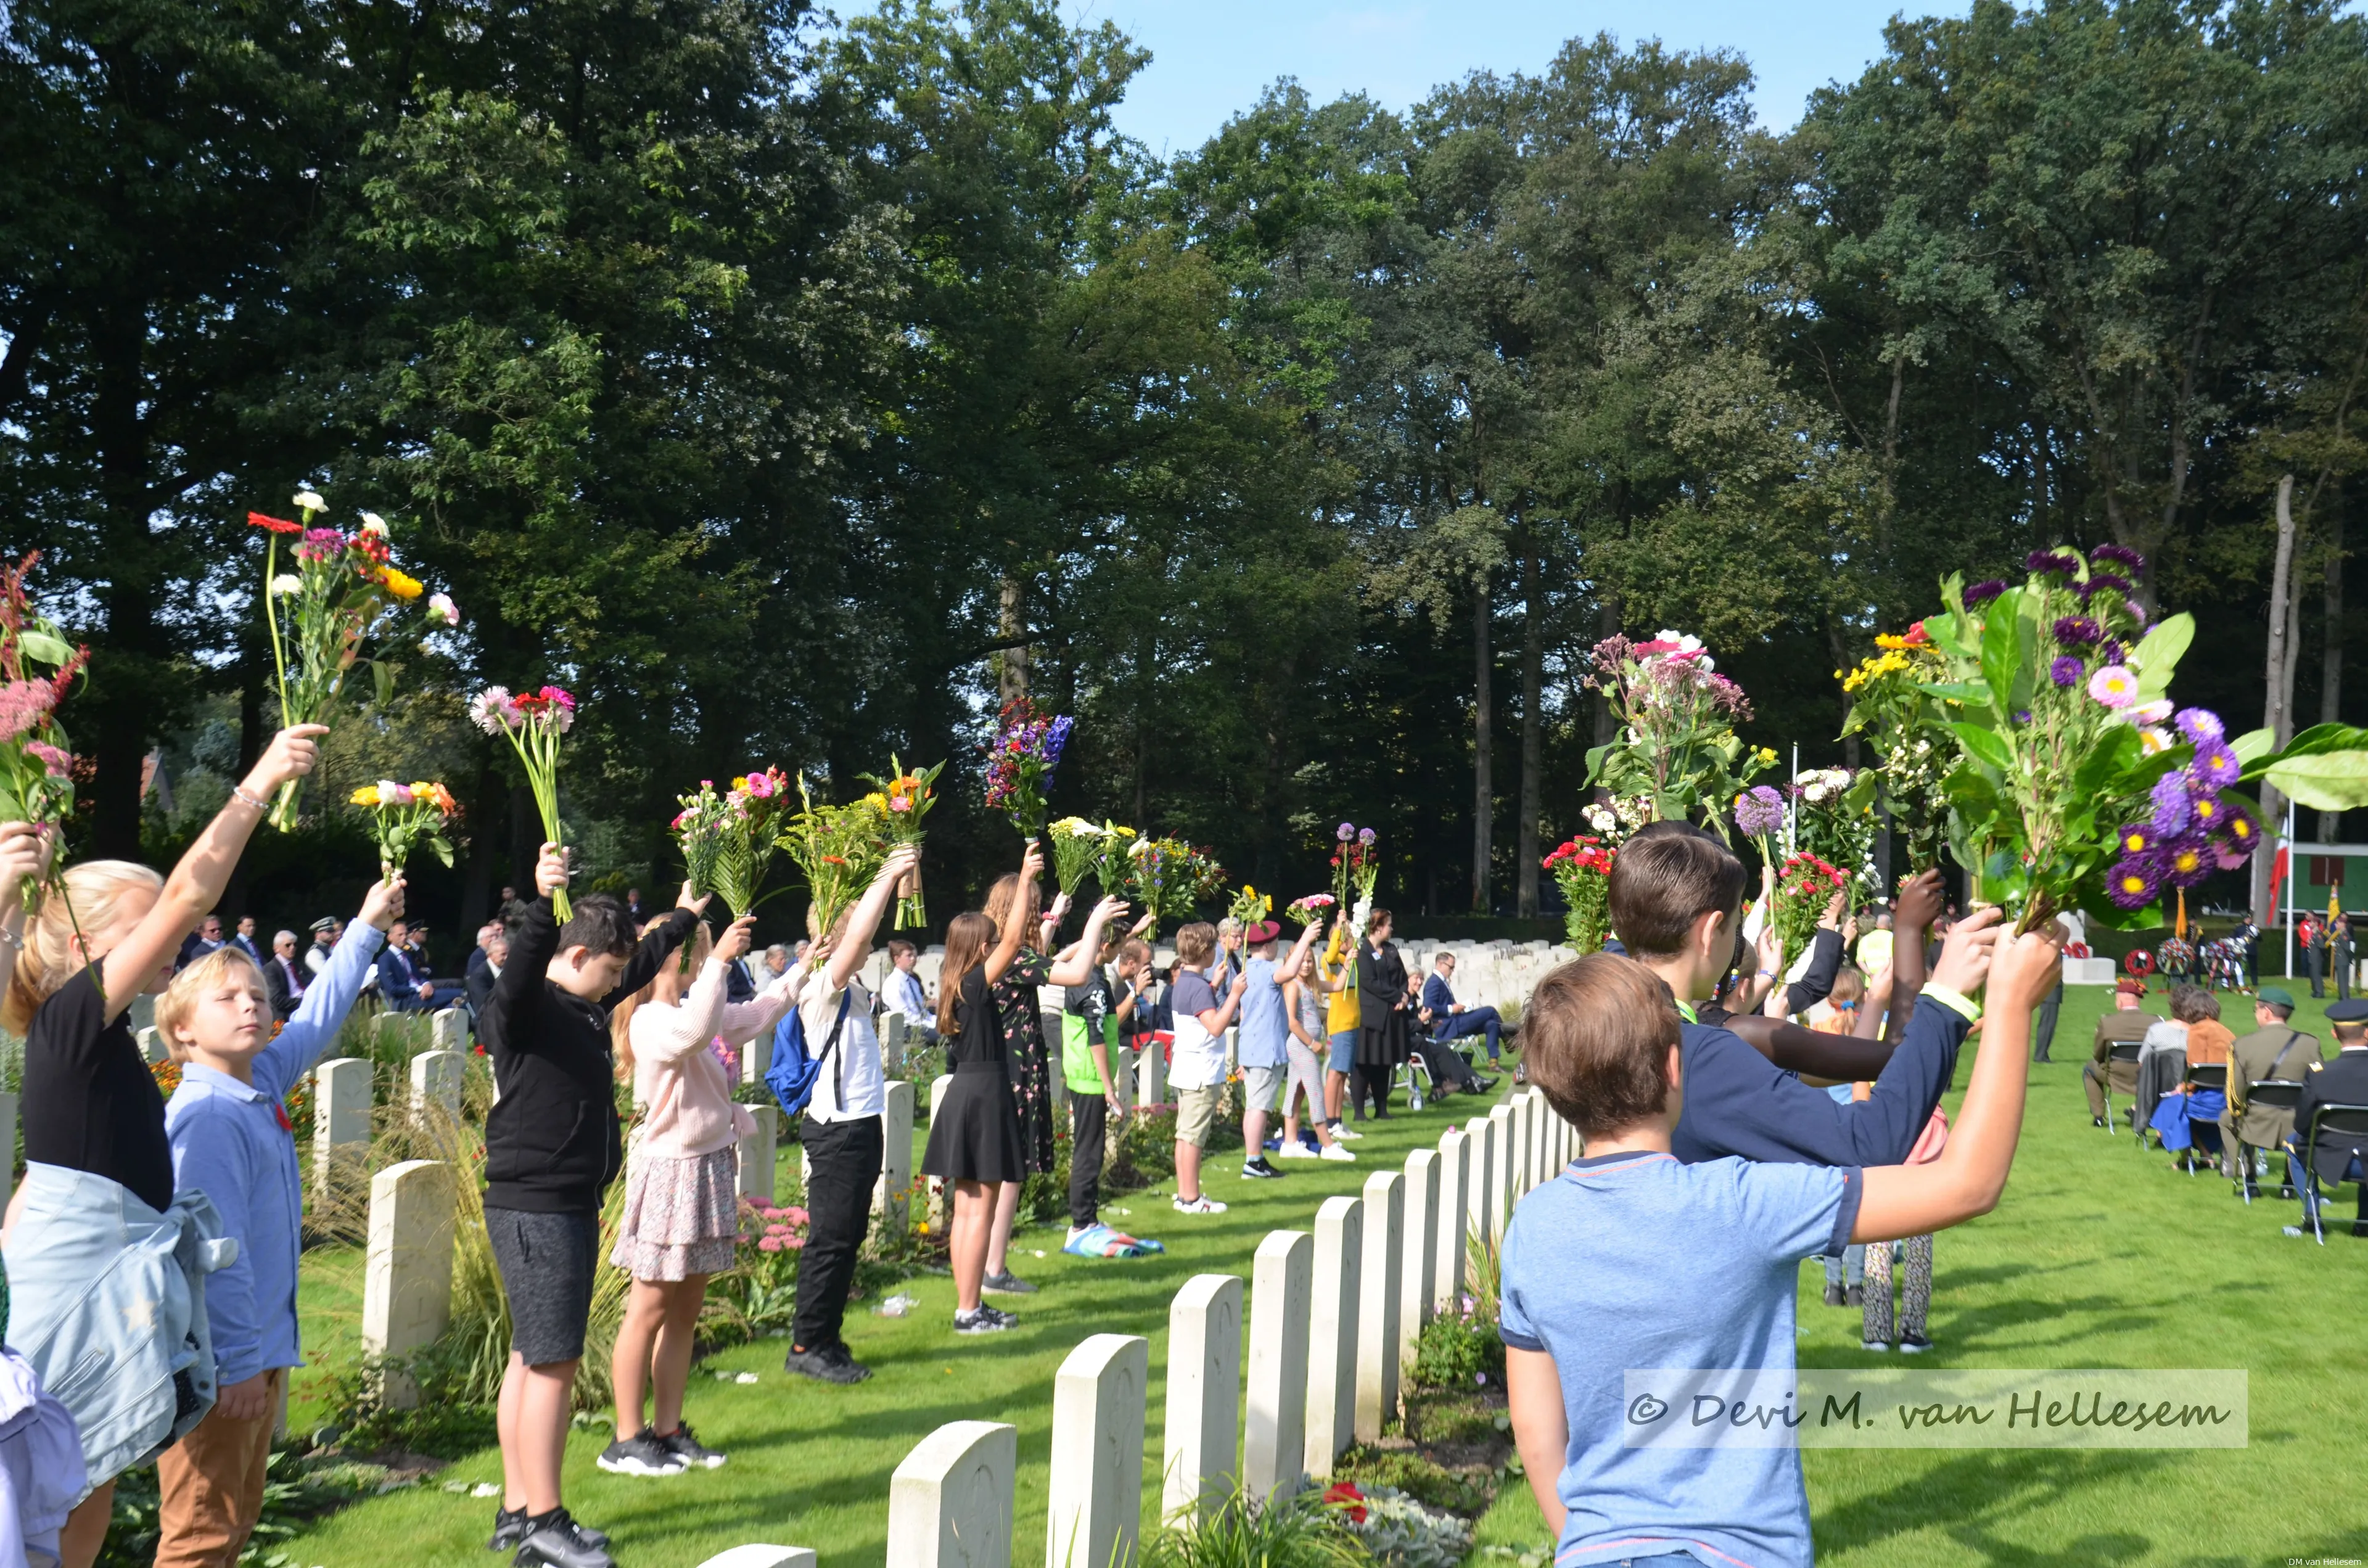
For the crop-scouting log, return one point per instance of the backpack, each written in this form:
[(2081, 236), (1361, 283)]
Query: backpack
[(791, 1076)]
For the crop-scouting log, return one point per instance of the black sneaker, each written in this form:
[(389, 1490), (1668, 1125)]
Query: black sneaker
[(830, 1364), (644, 1453), (509, 1529), (1914, 1345), (691, 1451), (556, 1541), (1834, 1297), (1259, 1170), (1855, 1296), (986, 1320), (1007, 1284)]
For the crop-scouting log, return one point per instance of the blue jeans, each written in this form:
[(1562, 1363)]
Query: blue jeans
[(1473, 1020), (1849, 1266), (2300, 1177), (1343, 1052)]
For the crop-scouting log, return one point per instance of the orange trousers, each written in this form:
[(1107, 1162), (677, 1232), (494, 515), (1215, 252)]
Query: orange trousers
[(211, 1486)]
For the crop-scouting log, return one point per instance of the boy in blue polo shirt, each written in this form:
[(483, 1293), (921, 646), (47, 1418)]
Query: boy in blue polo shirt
[(1593, 1287)]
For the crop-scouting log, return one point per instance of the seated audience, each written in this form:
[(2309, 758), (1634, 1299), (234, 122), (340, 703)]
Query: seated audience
[(2343, 1081), (1452, 1020), (2275, 1050), (2127, 1022), (2207, 1040)]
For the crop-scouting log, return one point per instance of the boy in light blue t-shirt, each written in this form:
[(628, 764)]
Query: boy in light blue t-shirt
[(1631, 1260)]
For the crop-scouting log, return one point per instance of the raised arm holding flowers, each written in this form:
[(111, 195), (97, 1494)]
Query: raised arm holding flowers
[(1021, 761), (903, 801)]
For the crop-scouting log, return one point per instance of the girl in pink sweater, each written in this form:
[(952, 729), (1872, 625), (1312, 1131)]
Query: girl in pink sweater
[(682, 1217)]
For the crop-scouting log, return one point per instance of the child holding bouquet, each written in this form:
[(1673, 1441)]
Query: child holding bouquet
[(682, 1182)]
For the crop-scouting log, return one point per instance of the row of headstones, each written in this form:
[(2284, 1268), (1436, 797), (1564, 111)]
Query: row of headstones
[(1334, 1320)]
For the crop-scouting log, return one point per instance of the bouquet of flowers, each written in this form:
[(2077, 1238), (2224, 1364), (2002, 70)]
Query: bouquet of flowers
[(727, 839), (1355, 865), (532, 724), (1759, 815), (35, 767), (1077, 846), (1803, 887), (1836, 821), (1312, 910), (1154, 868), (1676, 744), (1614, 820), (838, 848), (1111, 858), (1020, 762), (403, 816), (1249, 906), (1582, 868), (321, 613), (903, 800), (1908, 728)]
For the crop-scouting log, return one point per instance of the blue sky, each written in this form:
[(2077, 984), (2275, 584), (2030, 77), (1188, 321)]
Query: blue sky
[(1211, 58)]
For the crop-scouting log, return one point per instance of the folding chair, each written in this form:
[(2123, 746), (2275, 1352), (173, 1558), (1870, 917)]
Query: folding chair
[(2345, 1128), (2214, 1076), (2121, 1051), (2269, 1094)]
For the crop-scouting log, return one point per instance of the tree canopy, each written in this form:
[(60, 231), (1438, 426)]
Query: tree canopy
[(793, 391)]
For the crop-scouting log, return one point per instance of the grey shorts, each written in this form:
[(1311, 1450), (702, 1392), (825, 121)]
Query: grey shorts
[(1260, 1086), (546, 1263)]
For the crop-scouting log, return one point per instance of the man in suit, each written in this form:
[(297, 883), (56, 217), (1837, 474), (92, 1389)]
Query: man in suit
[(284, 977), (2125, 1023), (2275, 1050), (206, 938), (2344, 1081), (245, 941), (1450, 1020), (495, 950), (400, 983)]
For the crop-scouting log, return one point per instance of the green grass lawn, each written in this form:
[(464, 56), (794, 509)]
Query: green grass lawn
[(2098, 1257)]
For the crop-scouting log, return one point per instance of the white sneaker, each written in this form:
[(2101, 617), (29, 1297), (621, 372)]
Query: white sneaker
[(1204, 1204), (1293, 1149), (1333, 1151), (1346, 1132)]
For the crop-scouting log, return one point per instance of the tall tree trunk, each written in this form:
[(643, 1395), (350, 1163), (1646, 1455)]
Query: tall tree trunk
[(1484, 787), (2277, 715), (1534, 725), (1010, 626), (2330, 669), (122, 698)]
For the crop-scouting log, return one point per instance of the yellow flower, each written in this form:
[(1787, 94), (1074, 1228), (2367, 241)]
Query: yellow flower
[(1890, 641), (400, 584), (876, 801), (366, 795)]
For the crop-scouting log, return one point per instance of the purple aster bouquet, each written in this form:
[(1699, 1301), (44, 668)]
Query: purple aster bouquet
[(1021, 762), (1676, 744), (1759, 815), (2077, 785)]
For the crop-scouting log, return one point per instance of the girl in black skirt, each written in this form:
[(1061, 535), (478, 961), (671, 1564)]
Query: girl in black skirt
[(974, 1137)]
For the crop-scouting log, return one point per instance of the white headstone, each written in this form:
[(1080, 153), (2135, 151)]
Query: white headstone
[(152, 1049), (1151, 1078), (1332, 1332), (436, 1078), (1051, 1018), (1377, 1304), (950, 1502), (1479, 1186), (1204, 1392), (760, 1556), (1541, 1150), (448, 1029), (1504, 1137), (1454, 1205), (758, 1151), (891, 1194), (1274, 1433), (1097, 1475), (407, 1278), (1419, 1269), (341, 1117)]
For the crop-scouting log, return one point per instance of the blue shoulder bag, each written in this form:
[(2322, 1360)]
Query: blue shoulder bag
[(791, 1075)]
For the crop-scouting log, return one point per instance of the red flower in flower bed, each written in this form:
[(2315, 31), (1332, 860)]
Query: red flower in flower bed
[(1344, 1495)]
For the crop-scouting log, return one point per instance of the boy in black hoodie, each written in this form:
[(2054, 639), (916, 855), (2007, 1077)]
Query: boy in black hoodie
[(553, 1146)]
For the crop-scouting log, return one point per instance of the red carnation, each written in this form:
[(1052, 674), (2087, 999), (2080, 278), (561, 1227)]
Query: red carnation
[(276, 525)]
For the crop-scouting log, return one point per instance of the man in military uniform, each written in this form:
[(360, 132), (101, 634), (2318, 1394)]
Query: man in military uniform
[(2274, 1049), (2127, 1022), (2343, 1081)]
